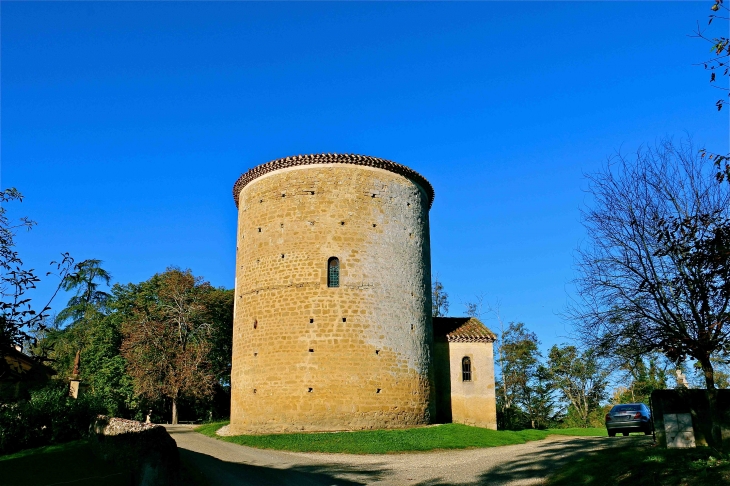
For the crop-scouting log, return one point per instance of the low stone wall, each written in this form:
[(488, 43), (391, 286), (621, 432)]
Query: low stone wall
[(147, 450)]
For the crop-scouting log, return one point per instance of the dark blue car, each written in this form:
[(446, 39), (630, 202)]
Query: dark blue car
[(631, 417)]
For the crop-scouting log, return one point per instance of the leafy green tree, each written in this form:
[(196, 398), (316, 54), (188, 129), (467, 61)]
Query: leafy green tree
[(219, 310), (509, 415), (103, 369), (525, 383), (543, 410), (88, 299), (580, 378), (93, 319), (644, 375), (84, 312), (573, 418), (97, 322), (219, 313), (167, 338)]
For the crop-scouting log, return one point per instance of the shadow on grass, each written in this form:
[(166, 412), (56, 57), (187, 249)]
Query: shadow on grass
[(71, 463), (646, 465), (204, 470), (549, 458)]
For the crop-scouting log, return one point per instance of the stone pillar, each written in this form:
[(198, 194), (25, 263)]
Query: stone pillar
[(75, 381), (74, 388)]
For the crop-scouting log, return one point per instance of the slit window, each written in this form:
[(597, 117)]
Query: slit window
[(466, 369), (333, 272)]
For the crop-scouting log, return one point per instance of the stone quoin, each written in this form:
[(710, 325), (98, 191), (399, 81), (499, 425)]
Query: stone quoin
[(332, 318)]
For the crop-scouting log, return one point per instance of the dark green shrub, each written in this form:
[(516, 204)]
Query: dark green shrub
[(49, 417)]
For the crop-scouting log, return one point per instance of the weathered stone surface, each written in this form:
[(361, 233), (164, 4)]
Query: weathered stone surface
[(310, 357), (146, 449)]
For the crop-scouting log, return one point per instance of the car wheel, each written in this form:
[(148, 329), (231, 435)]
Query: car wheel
[(626, 434), (612, 434)]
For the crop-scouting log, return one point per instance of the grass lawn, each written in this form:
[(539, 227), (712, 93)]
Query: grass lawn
[(447, 436), (72, 462), (646, 465)]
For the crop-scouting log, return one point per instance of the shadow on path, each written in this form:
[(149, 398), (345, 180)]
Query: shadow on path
[(208, 462), (538, 465), (205, 470)]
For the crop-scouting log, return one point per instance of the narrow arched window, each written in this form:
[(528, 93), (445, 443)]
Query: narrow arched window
[(333, 272), (466, 369)]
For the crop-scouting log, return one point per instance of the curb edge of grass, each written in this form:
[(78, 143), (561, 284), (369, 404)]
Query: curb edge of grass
[(367, 442)]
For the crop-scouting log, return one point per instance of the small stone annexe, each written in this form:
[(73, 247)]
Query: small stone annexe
[(332, 319)]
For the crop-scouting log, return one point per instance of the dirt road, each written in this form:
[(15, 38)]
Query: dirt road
[(223, 463)]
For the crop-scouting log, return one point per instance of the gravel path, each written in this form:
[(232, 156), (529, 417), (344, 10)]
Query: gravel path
[(223, 463)]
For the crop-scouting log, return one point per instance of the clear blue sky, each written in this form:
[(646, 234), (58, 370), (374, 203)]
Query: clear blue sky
[(125, 125)]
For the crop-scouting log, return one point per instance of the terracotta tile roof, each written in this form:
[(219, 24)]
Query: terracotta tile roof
[(461, 329), (311, 159)]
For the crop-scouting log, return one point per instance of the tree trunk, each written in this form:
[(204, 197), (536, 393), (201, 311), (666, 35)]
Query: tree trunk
[(709, 373), (174, 411)]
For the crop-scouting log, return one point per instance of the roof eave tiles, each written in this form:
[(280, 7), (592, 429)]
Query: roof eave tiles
[(311, 159)]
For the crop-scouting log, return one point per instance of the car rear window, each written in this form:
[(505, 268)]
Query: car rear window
[(626, 408)]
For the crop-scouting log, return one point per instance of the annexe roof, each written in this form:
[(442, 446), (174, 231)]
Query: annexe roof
[(352, 159), (20, 363), (461, 330)]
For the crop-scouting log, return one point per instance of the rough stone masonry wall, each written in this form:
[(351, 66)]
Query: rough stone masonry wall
[(309, 357)]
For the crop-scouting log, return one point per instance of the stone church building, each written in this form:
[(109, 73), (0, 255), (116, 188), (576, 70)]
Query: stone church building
[(332, 321)]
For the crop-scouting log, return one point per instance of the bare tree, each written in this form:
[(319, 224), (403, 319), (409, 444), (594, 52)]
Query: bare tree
[(476, 308), (654, 273), (506, 398), (440, 299)]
